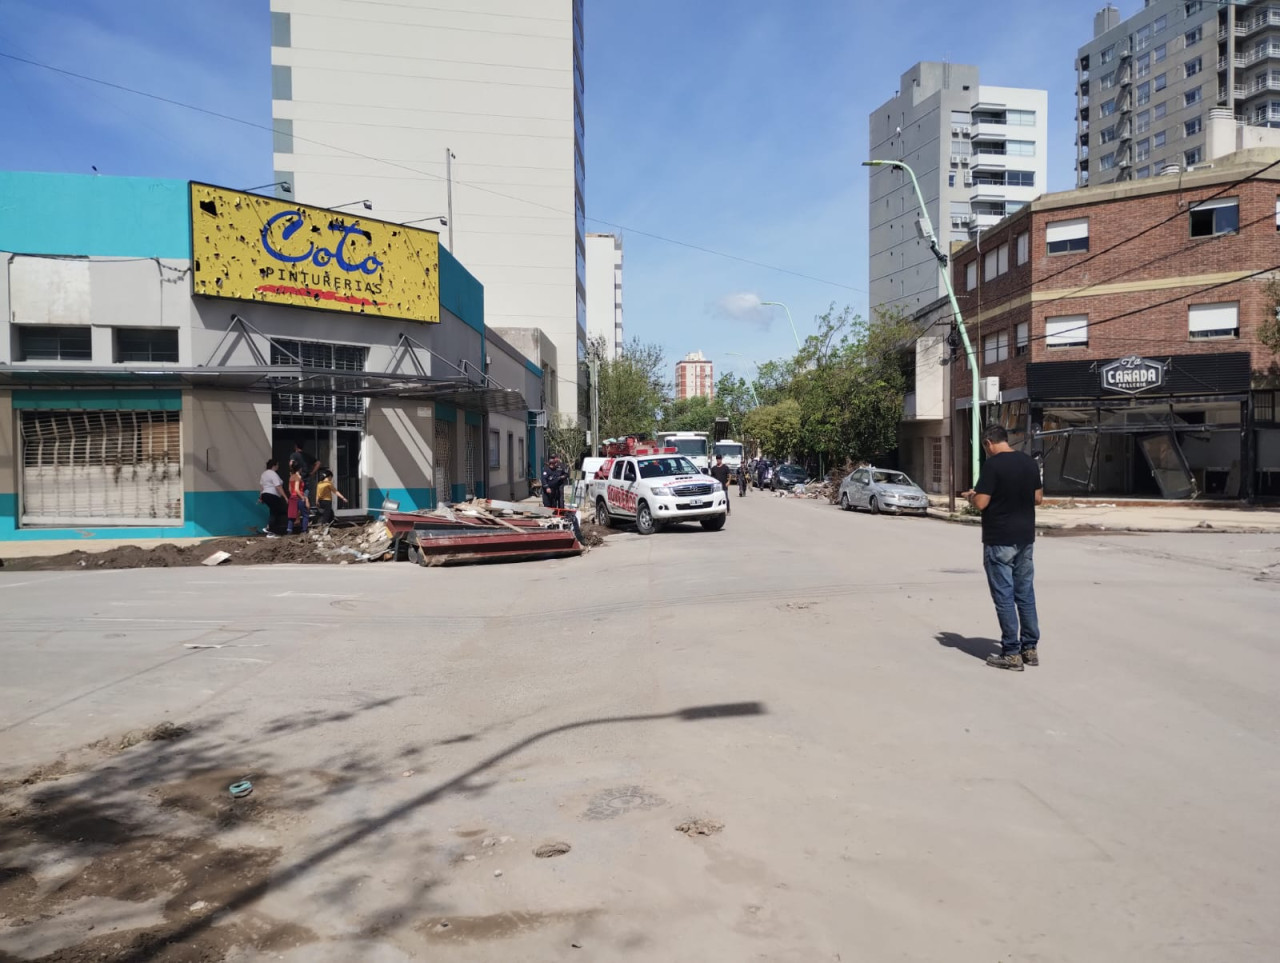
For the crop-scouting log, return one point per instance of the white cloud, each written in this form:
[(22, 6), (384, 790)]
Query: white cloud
[(744, 306)]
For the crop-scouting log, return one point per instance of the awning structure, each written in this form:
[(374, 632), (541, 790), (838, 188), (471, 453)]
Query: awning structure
[(276, 379)]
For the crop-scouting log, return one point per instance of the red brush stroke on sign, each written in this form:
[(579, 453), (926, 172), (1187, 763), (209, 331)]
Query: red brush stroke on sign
[(318, 293)]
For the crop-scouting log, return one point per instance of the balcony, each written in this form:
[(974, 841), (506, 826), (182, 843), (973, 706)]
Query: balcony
[(988, 160), (1261, 85), (1267, 18), (983, 221), (1240, 31), (989, 130), (1263, 51)]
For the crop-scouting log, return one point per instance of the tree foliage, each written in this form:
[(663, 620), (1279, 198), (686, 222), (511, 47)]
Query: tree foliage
[(838, 398), (632, 387)]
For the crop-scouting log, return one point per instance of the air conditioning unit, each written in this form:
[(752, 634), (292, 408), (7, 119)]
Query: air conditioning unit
[(955, 131), (968, 180), (964, 159), (955, 160), (989, 390), (967, 131)]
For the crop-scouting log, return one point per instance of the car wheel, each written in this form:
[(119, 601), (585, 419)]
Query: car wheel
[(714, 523), (874, 505), (603, 518), (645, 524), (844, 502)]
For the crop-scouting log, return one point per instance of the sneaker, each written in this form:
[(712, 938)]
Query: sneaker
[(1030, 656), (1011, 662), (272, 535)]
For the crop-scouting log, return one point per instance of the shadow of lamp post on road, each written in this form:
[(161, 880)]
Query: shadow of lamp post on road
[(369, 827)]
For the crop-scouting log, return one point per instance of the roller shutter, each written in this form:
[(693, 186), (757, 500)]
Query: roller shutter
[(101, 468)]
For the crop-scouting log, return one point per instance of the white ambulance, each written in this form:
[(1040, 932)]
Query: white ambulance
[(657, 487)]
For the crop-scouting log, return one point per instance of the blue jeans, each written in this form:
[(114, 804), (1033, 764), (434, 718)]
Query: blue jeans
[(1011, 577)]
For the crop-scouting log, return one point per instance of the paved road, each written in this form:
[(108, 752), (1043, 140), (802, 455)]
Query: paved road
[(810, 679)]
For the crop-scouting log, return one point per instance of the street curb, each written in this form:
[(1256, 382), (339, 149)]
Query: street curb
[(943, 516)]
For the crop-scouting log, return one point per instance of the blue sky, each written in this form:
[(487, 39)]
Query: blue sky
[(737, 127)]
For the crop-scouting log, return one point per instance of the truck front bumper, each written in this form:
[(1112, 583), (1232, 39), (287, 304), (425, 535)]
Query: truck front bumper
[(671, 509)]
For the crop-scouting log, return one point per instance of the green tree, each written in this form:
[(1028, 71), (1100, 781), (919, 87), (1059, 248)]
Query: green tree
[(687, 414), (632, 388), (777, 428)]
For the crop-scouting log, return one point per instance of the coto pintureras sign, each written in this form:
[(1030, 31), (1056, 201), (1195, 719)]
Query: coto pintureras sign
[(253, 248), (1132, 375)]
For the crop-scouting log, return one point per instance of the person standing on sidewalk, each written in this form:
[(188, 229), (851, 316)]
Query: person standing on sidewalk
[(553, 482), (720, 472), (743, 472), (271, 494), (1008, 490)]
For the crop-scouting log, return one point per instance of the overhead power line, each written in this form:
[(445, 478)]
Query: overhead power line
[(424, 173)]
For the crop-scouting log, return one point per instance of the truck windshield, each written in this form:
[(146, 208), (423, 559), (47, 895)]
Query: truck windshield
[(671, 465), (687, 446), (729, 449)]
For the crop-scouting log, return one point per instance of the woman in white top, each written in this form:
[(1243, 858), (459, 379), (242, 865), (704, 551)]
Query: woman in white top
[(272, 488)]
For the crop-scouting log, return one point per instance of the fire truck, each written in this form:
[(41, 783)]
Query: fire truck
[(654, 487)]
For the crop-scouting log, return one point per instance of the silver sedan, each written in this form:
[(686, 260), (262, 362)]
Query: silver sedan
[(882, 490)]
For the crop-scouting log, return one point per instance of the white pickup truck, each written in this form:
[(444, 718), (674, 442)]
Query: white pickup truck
[(657, 489)]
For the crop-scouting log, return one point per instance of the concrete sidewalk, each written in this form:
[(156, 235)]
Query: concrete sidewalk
[(61, 546), (1135, 517)]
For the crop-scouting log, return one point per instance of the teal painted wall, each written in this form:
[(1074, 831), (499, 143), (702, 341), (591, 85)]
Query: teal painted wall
[(207, 514), (446, 412), (460, 292), (82, 214), (410, 499), (98, 399)]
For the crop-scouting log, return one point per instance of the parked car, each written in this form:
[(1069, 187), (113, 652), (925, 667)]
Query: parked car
[(786, 476), (882, 490), (762, 471)]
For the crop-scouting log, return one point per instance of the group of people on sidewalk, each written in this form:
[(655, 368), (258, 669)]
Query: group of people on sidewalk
[(290, 511)]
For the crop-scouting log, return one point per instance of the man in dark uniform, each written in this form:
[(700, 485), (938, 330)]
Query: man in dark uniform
[(553, 481), (720, 472), (744, 470)]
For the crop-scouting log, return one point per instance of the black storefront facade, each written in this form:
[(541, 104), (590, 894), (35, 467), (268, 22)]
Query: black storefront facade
[(1164, 426)]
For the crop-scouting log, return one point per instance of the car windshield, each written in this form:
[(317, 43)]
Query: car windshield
[(891, 478), (730, 449), (790, 470), (687, 446), (671, 465)]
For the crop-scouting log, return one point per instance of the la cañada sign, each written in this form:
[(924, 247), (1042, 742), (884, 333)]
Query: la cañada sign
[(1132, 375)]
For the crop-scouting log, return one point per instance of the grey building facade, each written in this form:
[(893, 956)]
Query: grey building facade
[(1146, 85)]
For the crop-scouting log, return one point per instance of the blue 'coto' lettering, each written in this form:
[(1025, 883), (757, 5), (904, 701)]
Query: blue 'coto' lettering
[(319, 256)]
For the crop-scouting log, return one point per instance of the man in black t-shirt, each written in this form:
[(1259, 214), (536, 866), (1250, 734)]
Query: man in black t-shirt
[(1008, 490)]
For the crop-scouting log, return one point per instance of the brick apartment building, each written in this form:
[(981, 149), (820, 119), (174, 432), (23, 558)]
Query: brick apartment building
[(1122, 322), (695, 376)]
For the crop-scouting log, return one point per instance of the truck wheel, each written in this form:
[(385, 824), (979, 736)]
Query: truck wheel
[(714, 523), (645, 524), (603, 518)]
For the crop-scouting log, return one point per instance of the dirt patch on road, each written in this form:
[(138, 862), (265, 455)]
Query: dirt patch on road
[(60, 849), (243, 551)]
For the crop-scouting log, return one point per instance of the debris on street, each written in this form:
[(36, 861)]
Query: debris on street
[(483, 530), (217, 558), (700, 827)]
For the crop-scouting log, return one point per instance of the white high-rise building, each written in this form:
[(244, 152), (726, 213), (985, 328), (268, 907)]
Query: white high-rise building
[(979, 152), (432, 108), (604, 291)]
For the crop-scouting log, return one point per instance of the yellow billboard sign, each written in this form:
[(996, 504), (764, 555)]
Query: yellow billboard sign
[(252, 248)]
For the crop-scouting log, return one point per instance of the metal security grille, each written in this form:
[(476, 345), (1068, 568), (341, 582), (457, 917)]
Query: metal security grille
[(444, 461), (472, 461), (344, 411), (101, 467)]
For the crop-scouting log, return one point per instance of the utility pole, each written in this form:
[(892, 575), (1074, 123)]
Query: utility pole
[(925, 229), (595, 405), (448, 176)]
